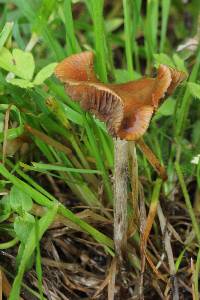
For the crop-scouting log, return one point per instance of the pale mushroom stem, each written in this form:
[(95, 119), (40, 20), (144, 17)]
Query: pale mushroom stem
[(120, 197), (124, 154)]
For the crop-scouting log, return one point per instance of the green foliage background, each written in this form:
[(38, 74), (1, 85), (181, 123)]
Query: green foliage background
[(47, 133)]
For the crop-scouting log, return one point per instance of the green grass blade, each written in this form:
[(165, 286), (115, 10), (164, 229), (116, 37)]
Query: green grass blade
[(43, 225), (188, 202), (31, 11), (196, 276), (182, 113), (128, 24), (12, 133), (44, 201), (38, 262), (97, 17), (39, 167), (165, 7), (137, 4), (5, 33), (151, 30), (71, 41), (179, 259), (9, 244), (96, 153), (26, 287)]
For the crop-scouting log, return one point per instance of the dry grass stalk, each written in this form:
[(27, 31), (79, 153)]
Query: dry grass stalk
[(142, 249), (168, 249), (112, 276), (152, 159), (134, 177)]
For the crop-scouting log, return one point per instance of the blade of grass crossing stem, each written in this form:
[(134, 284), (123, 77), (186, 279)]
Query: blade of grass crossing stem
[(97, 17), (128, 24), (71, 41), (151, 30), (182, 113), (38, 264), (165, 6), (30, 246), (41, 199), (188, 202)]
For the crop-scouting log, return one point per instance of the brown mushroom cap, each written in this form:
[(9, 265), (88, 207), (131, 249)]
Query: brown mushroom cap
[(125, 108)]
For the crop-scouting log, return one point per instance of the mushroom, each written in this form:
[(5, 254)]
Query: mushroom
[(126, 108)]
